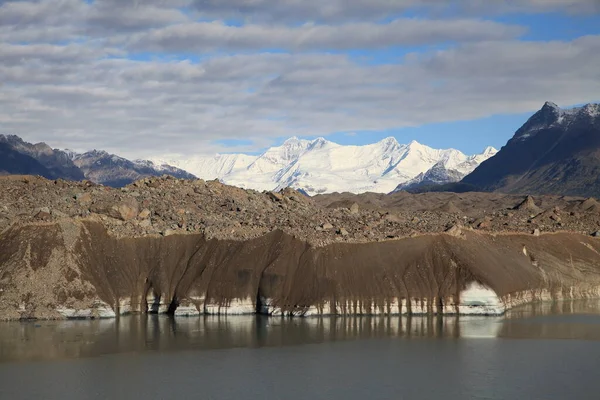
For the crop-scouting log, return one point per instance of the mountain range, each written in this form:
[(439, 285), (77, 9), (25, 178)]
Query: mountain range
[(320, 166), (20, 157), (112, 170), (557, 151)]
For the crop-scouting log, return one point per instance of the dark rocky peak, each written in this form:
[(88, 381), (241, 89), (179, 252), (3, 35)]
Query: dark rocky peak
[(10, 139), (58, 163), (13, 162), (19, 144), (551, 115)]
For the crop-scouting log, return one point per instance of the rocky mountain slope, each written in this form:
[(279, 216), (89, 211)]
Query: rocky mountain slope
[(14, 162), (75, 249), (20, 157), (320, 166), (556, 151), (57, 163), (112, 170)]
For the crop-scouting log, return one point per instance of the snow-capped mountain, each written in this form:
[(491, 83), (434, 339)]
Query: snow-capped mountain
[(556, 151), (552, 116), (320, 166), (212, 167), (442, 173)]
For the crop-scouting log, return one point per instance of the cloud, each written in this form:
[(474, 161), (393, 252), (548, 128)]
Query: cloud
[(108, 16), (400, 32), (142, 108), (348, 10), (20, 54), (66, 76), (57, 20)]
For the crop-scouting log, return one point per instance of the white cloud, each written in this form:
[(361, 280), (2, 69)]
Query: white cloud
[(179, 107), (400, 32), (345, 10), (66, 77)]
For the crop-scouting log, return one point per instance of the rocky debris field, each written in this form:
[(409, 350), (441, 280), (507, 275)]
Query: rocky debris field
[(166, 206)]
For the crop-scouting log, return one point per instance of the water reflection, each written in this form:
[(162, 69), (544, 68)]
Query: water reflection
[(43, 340)]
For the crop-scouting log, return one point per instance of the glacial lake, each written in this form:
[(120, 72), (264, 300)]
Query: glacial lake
[(545, 351)]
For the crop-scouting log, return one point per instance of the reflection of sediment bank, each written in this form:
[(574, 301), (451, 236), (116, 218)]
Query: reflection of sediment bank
[(87, 338), (557, 320)]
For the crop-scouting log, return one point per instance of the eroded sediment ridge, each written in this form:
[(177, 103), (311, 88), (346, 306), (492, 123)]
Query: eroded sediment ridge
[(77, 269), (75, 250)]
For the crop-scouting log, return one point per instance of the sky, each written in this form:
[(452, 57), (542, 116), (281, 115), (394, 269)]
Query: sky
[(149, 78)]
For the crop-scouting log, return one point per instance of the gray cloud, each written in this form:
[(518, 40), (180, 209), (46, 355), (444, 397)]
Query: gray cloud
[(180, 107), (401, 32), (87, 93), (47, 53), (106, 16), (46, 12), (343, 10), (56, 20)]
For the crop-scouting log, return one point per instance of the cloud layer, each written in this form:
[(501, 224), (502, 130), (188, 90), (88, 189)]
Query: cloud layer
[(152, 77)]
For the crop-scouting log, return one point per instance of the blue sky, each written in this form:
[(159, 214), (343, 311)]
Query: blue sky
[(191, 77), (468, 136)]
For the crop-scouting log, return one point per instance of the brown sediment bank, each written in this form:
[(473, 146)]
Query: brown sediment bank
[(77, 269), (66, 254)]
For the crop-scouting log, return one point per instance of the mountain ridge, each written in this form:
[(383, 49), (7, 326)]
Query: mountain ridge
[(555, 151), (321, 166), (57, 163), (99, 166)]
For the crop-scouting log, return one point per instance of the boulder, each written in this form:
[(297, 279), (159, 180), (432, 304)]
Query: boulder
[(393, 218), (83, 198), (145, 213), (454, 230), (275, 196), (342, 231), (42, 214), (126, 210)]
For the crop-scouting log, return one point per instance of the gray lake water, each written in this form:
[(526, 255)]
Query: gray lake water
[(546, 352)]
